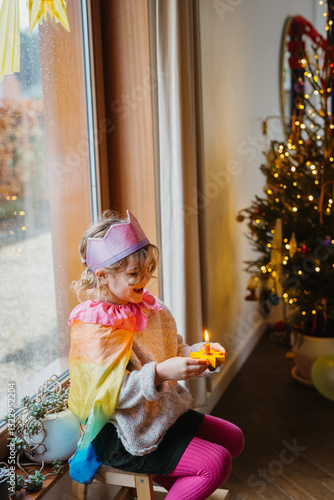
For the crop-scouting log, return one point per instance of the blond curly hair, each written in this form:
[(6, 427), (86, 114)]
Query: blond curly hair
[(88, 285)]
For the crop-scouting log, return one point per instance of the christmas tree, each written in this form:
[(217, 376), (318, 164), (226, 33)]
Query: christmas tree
[(292, 226)]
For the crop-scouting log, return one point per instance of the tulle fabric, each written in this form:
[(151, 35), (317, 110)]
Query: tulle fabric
[(126, 316)]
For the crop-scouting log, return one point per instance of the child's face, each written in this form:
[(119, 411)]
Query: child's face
[(121, 292)]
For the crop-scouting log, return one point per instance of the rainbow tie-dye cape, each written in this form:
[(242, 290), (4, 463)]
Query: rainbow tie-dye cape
[(101, 344)]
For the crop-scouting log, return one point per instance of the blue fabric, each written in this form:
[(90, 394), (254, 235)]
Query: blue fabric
[(84, 465)]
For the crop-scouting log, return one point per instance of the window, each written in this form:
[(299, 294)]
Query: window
[(47, 184)]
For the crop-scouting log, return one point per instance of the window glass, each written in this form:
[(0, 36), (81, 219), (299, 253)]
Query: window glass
[(45, 200)]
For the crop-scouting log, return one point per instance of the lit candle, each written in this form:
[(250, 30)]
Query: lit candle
[(209, 354), (207, 345)]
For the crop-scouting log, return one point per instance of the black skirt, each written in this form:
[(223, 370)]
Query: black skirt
[(110, 450)]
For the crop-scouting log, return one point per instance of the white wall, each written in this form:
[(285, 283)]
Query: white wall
[(240, 49)]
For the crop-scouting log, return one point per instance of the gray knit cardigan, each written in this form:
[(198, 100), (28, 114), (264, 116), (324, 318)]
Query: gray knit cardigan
[(145, 412)]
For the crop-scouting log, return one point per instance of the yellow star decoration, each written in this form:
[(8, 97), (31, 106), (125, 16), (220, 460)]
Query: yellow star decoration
[(212, 357), (54, 8), (10, 28), (9, 38)]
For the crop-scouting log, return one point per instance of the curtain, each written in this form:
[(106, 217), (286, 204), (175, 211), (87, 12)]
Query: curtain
[(177, 141)]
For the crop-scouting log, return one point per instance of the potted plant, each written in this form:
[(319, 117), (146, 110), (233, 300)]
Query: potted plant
[(292, 226), (45, 431), (16, 486)]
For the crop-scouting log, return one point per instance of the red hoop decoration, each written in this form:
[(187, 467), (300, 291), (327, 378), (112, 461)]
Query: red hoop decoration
[(300, 27)]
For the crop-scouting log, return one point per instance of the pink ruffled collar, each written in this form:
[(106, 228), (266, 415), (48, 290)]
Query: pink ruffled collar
[(128, 316)]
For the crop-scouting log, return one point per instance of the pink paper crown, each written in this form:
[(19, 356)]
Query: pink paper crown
[(120, 241)]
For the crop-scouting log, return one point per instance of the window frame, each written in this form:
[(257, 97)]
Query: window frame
[(120, 62)]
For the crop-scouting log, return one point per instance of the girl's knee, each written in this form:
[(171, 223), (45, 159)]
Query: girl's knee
[(219, 465), (222, 432)]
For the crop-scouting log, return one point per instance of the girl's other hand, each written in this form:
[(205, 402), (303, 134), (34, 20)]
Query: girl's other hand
[(179, 368), (218, 347)]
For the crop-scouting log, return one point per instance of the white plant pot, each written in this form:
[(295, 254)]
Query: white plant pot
[(62, 436), (306, 350)]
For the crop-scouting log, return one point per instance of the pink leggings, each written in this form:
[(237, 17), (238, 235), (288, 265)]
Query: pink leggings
[(206, 463)]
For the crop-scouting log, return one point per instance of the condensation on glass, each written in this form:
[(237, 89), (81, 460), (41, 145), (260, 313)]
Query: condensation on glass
[(35, 206)]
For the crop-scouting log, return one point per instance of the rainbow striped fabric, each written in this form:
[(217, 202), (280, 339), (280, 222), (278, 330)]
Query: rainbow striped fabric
[(101, 344), (98, 358)]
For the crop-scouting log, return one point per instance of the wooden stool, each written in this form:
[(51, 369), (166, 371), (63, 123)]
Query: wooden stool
[(133, 485)]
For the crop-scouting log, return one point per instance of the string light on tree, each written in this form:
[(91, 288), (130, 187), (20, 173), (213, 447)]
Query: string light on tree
[(299, 180)]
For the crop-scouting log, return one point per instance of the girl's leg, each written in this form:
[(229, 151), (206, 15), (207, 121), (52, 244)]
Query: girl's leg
[(222, 432), (203, 467)]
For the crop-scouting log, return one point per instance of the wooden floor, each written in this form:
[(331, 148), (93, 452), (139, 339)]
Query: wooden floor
[(288, 427)]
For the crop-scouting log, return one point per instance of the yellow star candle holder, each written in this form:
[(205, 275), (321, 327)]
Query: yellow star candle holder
[(209, 354)]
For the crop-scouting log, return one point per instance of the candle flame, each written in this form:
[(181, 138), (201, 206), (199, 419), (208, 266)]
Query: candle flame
[(206, 336)]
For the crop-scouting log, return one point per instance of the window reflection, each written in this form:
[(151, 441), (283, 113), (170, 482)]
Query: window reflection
[(28, 319), (34, 210)]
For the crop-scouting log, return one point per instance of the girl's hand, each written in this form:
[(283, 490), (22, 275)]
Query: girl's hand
[(179, 368), (217, 347)]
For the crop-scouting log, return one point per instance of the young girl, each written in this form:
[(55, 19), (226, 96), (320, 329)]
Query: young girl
[(126, 358)]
